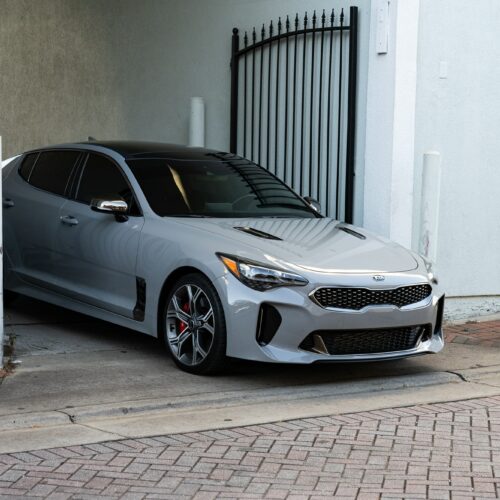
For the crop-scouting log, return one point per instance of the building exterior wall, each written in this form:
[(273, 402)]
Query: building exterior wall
[(457, 114), (390, 122), (58, 77)]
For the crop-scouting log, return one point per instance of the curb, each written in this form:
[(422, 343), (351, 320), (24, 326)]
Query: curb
[(80, 415)]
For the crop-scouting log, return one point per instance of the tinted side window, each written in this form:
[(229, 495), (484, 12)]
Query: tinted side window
[(52, 170), (101, 177), (27, 165)]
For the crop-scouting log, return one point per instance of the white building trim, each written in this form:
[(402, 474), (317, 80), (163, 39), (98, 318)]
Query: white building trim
[(390, 123)]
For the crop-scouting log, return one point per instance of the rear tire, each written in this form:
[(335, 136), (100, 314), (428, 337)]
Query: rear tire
[(193, 325)]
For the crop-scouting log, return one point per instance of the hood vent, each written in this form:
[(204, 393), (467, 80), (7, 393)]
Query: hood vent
[(256, 232), (352, 233)]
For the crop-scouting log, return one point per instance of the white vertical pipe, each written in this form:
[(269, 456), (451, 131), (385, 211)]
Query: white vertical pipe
[(197, 122), (429, 206), (1, 263)]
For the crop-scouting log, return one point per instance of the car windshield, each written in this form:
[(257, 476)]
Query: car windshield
[(215, 189)]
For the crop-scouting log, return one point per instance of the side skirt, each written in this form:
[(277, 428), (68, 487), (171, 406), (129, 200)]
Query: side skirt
[(40, 293)]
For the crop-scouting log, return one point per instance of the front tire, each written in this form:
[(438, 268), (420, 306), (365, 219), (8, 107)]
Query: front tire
[(194, 327)]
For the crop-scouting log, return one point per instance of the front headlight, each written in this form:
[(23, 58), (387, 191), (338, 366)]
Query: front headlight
[(431, 274), (260, 276)]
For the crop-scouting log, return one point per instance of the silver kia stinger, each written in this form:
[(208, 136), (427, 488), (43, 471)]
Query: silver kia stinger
[(211, 253)]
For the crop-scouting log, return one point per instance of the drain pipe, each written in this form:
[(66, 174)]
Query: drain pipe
[(197, 123), (429, 205), (1, 265)]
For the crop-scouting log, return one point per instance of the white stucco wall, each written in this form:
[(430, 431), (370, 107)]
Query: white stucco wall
[(459, 116), (390, 123)]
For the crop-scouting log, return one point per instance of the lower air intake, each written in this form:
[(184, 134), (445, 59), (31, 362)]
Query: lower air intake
[(269, 321), (370, 341)]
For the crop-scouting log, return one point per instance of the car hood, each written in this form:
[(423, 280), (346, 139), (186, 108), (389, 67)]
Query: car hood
[(319, 245)]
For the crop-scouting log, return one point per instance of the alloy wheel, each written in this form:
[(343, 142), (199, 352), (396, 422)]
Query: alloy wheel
[(190, 324)]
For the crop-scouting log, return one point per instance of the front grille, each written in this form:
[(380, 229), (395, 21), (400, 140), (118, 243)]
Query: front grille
[(368, 341), (357, 298)]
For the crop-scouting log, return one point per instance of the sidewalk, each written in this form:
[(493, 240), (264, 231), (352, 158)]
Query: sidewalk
[(486, 333), (437, 451)]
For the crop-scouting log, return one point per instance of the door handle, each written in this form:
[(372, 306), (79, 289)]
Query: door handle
[(8, 203), (69, 220)]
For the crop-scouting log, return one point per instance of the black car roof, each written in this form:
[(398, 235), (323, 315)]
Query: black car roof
[(144, 149)]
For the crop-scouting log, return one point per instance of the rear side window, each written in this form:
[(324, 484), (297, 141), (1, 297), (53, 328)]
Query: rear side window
[(100, 178), (27, 165), (52, 170)]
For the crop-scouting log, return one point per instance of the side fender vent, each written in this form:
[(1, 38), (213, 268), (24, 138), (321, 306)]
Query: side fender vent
[(140, 305)]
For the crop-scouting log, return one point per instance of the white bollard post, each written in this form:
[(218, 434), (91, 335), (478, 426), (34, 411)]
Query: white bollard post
[(1, 264), (429, 205), (197, 123)]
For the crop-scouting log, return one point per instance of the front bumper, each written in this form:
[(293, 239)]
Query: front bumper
[(300, 316)]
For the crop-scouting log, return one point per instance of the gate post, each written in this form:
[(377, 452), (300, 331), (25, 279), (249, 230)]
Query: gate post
[(351, 114), (234, 92)]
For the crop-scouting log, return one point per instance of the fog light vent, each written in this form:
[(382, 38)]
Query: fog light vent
[(268, 323), (439, 316)]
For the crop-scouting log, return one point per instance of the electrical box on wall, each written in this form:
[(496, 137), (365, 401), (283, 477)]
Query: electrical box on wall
[(382, 40)]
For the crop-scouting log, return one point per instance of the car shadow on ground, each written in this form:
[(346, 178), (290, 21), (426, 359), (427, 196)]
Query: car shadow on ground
[(44, 329)]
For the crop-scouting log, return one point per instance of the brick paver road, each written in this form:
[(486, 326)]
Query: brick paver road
[(486, 333), (448, 450)]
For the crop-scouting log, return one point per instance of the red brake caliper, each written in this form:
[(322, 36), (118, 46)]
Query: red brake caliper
[(182, 325)]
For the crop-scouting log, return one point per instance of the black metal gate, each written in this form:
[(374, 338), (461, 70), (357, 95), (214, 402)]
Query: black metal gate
[(293, 104)]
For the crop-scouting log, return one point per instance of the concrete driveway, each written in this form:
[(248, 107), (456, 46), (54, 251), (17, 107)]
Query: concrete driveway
[(77, 371)]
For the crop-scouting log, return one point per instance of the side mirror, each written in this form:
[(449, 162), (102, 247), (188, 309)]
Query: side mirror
[(111, 205), (314, 204)]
